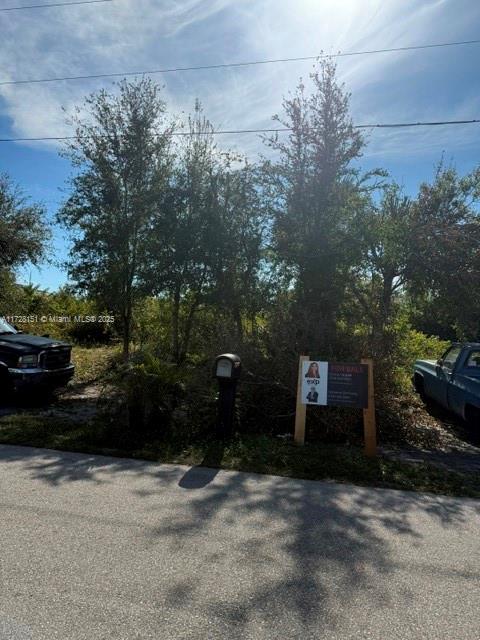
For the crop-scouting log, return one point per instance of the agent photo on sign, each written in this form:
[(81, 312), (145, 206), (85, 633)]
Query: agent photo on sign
[(314, 382), (313, 371)]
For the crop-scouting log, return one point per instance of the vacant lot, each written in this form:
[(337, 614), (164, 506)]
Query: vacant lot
[(436, 454)]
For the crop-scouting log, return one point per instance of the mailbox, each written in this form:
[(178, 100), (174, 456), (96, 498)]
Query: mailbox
[(227, 370), (228, 365)]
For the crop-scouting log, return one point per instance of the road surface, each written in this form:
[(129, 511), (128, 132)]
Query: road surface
[(94, 548)]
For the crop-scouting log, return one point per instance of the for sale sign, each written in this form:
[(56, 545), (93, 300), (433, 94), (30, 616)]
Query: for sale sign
[(334, 384), (347, 385), (339, 384)]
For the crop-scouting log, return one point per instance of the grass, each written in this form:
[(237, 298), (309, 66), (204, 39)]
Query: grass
[(260, 454), (92, 362)]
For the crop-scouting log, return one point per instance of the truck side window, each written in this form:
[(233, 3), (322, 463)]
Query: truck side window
[(474, 359), (450, 358)]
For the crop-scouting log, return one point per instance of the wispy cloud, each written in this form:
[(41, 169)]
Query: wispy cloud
[(130, 35), (145, 34)]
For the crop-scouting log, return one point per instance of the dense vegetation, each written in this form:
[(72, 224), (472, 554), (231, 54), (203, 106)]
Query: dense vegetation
[(195, 251)]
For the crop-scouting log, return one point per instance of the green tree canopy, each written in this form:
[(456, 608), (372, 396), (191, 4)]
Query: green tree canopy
[(23, 229), (121, 154)]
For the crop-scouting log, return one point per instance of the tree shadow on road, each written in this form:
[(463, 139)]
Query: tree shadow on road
[(296, 550), (291, 557), (57, 467)]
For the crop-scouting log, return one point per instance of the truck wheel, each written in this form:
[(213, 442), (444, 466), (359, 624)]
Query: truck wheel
[(472, 416), (419, 387), (5, 387)]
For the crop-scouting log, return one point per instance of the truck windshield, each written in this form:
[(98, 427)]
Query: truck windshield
[(5, 327)]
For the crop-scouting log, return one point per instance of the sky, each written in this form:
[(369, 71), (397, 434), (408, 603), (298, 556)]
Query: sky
[(137, 35)]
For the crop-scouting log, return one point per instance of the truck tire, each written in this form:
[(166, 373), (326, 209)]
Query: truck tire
[(5, 386), (419, 385), (472, 416)]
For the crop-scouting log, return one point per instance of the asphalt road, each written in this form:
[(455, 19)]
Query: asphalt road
[(95, 548)]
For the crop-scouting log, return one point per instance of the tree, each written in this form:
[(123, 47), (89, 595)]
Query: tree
[(121, 154), (205, 243), (384, 234), (176, 254), (23, 236), (238, 255), (313, 189), (23, 230), (444, 263)]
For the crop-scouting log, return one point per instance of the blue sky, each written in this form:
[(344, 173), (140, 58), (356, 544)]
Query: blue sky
[(129, 35)]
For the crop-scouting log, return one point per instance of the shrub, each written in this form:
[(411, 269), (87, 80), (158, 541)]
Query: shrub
[(154, 400), (150, 389), (412, 345)]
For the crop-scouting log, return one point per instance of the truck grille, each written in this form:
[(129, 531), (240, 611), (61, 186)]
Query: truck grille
[(55, 358)]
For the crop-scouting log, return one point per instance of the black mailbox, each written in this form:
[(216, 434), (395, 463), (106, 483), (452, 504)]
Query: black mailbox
[(228, 365)]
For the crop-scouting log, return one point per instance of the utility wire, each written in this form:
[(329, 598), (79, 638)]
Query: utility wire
[(392, 125), (56, 4), (235, 64)]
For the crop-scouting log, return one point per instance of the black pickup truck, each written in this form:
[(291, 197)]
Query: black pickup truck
[(30, 362)]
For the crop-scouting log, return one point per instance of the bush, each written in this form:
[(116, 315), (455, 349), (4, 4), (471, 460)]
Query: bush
[(89, 333), (154, 400), (412, 345), (151, 390)]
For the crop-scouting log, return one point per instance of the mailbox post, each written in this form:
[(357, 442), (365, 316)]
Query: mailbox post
[(228, 367)]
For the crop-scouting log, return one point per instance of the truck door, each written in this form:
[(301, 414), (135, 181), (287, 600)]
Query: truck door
[(458, 391), (444, 375)]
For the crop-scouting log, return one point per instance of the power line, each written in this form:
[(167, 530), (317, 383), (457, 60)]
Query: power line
[(392, 125), (414, 124), (233, 64), (56, 4)]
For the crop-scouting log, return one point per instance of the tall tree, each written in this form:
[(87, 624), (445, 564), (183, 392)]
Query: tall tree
[(312, 188), (205, 245), (121, 154), (176, 257)]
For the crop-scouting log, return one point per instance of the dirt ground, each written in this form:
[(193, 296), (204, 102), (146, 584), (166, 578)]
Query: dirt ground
[(433, 435), (77, 403)]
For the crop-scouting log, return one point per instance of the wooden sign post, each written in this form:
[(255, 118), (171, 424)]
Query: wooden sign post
[(369, 424), (301, 410), (336, 384)]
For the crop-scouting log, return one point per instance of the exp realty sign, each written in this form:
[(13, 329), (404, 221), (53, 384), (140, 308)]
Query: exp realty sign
[(338, 384), (335, 384)]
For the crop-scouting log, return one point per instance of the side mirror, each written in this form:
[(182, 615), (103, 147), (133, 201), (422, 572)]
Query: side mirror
[(440, 362)]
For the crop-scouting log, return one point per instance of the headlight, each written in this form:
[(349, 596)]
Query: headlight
[(28, 362)]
